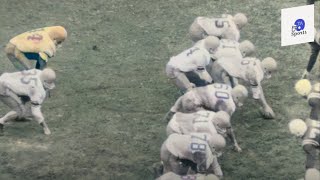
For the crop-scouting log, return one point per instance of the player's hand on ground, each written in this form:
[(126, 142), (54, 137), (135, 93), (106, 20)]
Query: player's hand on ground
[(47, 131), (237, 148), (268, 113)]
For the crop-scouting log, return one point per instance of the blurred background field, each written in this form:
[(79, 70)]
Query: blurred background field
[(112, 93)]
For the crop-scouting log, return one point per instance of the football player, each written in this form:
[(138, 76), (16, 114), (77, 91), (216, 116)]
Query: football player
[(231, 48), (173, 176), (196, 152), (215, 97), (315, 48), (311, 140), (310, 131), (226, 27), (203, 122), (36, 45), (19, 89), (194, 60), (250, 70)]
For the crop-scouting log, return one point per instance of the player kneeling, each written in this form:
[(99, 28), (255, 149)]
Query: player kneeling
[(203, 122), (195, 152), (193, 60), (227, 27), (20, 88)]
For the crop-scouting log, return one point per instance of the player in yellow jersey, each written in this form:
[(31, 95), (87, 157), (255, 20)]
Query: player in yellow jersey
[(36, 45)]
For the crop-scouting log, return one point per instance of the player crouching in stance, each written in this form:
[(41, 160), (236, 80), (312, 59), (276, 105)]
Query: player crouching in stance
[(226, 27), (194, 60), (38, 45), (215, 97), (19, 88), (251, 71), (203, 122), (173, 176), (196, 153)]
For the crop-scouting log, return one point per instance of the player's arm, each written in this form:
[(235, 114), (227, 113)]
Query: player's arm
[(232, 136), (38, 116), (258, 94), (216, 167)]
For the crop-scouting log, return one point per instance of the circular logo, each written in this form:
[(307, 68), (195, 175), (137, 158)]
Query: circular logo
[(299, 24)]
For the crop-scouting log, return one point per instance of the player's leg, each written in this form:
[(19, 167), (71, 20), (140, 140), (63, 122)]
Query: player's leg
[(41, 64), (17, 111), (195, 79), (17, 58), (171, 163), (310, 2), (182, 82), (178, 78), (315, 48), (312, 160)]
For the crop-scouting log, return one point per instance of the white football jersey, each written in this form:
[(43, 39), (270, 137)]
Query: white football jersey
[(190, 59), (186, 123), (25, 83), (228, 48), (223, 27), (238, 68), (183, 146), (217, 97)]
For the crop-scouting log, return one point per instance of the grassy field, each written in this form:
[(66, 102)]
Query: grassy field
[(112, 92)]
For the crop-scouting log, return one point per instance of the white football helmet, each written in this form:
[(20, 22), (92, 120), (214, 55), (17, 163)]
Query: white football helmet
[(48, 77), (312, 174), (240, 20), (211, 43), (269, 66), (247, 48), (303, 87), (298, 127), (221, 119), (239, 94)]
